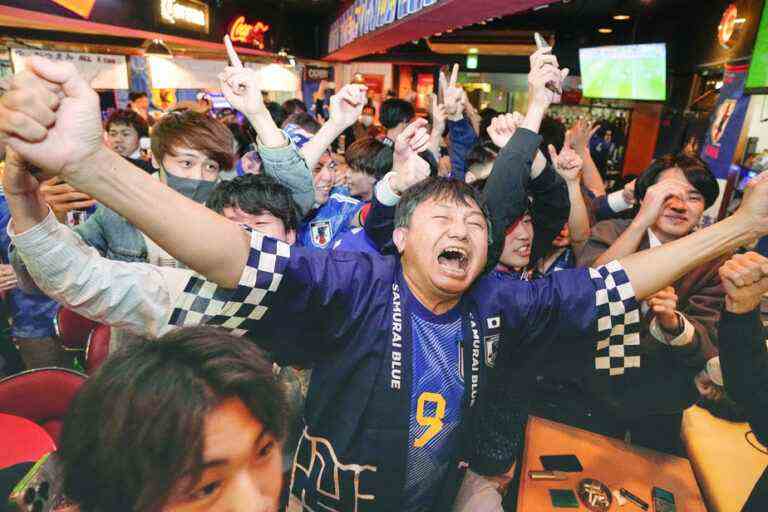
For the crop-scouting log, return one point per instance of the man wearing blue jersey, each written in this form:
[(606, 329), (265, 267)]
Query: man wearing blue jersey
[(401, 345)]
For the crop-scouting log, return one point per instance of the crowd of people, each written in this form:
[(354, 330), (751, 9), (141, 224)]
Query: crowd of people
[(303, 324)]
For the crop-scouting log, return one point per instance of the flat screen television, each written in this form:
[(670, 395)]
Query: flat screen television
[(631, 72), (757, 79)]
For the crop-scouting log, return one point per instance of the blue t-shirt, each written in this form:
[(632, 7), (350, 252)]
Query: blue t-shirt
[(436, 397), (330, 221)]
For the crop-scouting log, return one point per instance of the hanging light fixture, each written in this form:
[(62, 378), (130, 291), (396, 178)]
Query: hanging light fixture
[(158, 48)]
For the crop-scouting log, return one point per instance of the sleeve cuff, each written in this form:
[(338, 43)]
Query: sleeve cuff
[(35, 235), (618, 320), (273, 150), (384, 192), (525, 141), (616, 202), (685, 338)]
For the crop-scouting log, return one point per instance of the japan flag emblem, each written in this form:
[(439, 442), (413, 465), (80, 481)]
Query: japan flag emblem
[(321, 233)]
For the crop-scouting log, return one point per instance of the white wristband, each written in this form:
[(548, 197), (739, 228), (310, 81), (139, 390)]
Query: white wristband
[(384, 192), (617, 203)]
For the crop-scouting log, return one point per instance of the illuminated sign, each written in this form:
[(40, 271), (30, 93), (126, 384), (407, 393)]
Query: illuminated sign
[(191, 14), (729, 30), (366, 16), (243, 32), (80, 7), (317, 73)]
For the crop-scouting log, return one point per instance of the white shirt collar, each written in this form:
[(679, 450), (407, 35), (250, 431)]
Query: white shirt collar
[(653, 240)]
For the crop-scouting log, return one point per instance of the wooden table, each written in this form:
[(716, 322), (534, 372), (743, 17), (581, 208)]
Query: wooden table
[(726, 466), (611, 461)]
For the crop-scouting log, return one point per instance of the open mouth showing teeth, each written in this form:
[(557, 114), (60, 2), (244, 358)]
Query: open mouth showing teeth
[(454, 259)]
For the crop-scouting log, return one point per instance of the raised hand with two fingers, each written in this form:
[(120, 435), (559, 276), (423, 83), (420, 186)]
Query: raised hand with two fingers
[(453, 94), (567, 163)]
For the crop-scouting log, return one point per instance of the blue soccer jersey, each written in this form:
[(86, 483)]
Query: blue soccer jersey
[(436, 396)]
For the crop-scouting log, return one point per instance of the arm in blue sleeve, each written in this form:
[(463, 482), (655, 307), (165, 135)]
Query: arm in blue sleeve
[(601, 208), (308, 300), (463, 137), (574, 321), (380, 224)]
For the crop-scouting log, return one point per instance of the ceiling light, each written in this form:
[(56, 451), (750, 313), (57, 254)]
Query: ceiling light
[(622, 17), (605, 30), (158, 48)]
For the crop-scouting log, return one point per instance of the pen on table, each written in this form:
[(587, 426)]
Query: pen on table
[(634, 499)]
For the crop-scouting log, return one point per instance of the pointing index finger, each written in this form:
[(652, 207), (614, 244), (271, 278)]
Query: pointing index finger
[(234, 60), (454, 75)]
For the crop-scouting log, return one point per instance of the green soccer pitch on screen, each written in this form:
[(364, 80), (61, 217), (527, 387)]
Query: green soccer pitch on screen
[(631, 72), (757, 79)]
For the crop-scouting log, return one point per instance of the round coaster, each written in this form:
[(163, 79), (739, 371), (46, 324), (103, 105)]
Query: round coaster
[(595, 495)]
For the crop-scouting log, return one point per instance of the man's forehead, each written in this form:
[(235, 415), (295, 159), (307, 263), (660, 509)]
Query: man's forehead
[(469, 206), (185, 151), (677, 174)]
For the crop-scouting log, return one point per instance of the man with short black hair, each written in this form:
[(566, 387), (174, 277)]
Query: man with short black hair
[(125, 128), (396, 114)]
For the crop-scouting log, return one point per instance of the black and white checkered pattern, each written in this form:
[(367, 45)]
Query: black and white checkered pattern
[(204, 302), (618, 320)]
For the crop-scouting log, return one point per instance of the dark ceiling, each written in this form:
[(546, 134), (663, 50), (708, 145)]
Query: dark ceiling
[(686, 26), (318, 8)]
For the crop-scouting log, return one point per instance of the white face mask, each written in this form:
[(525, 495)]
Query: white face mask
[(366, 120)]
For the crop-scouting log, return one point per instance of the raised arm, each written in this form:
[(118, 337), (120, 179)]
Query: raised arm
[(656, 268), (519, 161), (240, 86), (133, 296), (408, 168), (63, 136), (569, 165), (438, 127), (743, 354), (581, 133), (345, 108), (460, 131)]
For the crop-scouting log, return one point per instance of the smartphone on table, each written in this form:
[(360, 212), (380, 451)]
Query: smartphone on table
[(663, 500)]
